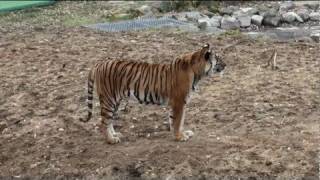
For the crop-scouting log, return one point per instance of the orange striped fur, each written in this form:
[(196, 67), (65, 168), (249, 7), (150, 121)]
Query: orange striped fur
[(149, 83)]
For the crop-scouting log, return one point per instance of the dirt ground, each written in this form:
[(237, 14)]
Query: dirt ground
[(252, 123)]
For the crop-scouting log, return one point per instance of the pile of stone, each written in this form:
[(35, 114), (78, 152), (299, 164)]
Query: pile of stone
[(234, 17)]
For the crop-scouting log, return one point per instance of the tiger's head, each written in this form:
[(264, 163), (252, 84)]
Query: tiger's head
[(205, 62)]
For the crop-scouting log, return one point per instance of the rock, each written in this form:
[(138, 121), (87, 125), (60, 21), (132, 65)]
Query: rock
[(285, 6), (228, 10), (312, 5), (314, 16), (257, 20), (208, 13), (249, 11), (203, 23), (299, 19), (245, 21), (3, 126), (146, 10), (245, 11), (215, 21), (303, 13), (228, 22), (179, 17), (271, 12), (271, 21), (315, 35), (194, 16), (290, 17)]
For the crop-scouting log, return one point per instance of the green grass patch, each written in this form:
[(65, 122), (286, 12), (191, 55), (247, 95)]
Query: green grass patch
[(71, 21)]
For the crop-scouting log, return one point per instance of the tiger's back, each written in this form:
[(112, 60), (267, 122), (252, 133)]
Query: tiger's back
[(148, 83)]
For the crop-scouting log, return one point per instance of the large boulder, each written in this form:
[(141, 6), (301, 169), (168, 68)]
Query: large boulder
[(257, 20), (215, 21), (205, 22), (303, 13), (229, 22), (314, 16), (271, 21), (290, 17), (245, 20)]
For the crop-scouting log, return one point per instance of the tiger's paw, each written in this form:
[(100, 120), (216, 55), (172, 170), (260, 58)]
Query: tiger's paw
[(118, 134), (113, 140), (189, 133), (184, 136)]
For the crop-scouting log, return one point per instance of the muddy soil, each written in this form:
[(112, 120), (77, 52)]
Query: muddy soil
[(253, 123)]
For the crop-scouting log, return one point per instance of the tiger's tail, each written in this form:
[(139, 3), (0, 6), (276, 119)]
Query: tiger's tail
[(90, 96)]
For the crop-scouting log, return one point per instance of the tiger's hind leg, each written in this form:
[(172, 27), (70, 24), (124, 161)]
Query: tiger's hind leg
[(108, 110)]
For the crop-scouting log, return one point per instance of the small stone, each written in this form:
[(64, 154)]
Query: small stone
[(228, 10), (60, 129), (315, 35), (285, 6), (268, 12), (146, 10), (72, 107), (3, 126), (268, 163), (257, 19), (314, 16), (194, 16)]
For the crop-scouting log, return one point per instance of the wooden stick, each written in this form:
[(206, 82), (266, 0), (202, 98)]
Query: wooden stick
[(274, 56)]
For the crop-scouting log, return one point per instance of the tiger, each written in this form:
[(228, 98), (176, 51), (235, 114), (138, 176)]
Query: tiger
[(150, 83)]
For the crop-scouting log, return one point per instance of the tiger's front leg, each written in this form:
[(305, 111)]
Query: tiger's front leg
[(107, 121), (177, 120)]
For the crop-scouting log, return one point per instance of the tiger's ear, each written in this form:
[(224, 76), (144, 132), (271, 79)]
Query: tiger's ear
[(205, 48), (205, 51), (199, 54)]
